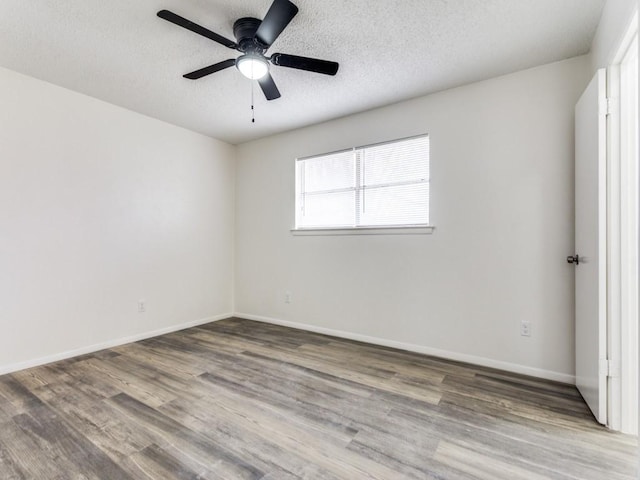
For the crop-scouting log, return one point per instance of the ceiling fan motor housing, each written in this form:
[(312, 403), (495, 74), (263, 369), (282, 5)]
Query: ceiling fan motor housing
[(244, 29)]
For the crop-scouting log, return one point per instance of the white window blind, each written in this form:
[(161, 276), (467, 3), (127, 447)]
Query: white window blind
[(383, 185)]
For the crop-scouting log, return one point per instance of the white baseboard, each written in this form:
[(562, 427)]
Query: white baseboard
[(434, 352), (4, 369)]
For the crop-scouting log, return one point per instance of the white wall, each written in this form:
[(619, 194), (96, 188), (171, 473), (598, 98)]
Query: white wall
[(101, 207), (502, 204)]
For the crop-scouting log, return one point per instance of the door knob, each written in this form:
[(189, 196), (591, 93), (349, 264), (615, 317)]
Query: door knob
[(573, 259)]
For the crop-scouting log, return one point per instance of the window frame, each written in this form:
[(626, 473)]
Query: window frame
[(401, 229)]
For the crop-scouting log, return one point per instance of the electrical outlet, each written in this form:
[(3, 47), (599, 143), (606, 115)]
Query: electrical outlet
[(142, 306), (287, 297), (525, 329)]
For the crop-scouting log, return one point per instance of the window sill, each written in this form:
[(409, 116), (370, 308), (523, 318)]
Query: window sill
[(418, 230)]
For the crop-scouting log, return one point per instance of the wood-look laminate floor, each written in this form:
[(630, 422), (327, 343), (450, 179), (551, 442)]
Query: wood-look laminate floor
[(243, 400)]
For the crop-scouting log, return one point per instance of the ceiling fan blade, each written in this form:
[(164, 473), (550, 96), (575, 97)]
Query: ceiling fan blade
[(210, 69), (275, 21), (195, 28), (304, 63), (268, 87)]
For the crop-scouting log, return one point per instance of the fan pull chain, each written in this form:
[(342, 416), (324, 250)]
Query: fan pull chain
[(253, 112)]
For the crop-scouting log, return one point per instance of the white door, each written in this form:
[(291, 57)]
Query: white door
[(590, 246)]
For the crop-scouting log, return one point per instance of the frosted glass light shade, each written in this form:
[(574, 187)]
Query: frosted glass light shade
[(253, 66)]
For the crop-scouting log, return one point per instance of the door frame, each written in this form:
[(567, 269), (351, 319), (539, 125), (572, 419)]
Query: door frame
[(622, 290)]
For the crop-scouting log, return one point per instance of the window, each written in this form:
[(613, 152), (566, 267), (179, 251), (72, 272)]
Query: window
[(378, 186)]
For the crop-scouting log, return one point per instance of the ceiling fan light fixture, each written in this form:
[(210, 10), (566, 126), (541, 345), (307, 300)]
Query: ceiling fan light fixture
[(253, 66)]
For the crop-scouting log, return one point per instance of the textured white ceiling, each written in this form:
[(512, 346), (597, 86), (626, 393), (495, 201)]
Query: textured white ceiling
[(121, 52)]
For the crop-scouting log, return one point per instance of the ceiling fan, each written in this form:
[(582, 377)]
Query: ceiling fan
[(253, 38)]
